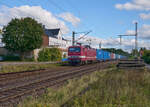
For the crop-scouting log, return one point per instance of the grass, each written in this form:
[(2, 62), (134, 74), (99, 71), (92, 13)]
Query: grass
[(26, 67), (117, 89), (108, 88), (57, 97)]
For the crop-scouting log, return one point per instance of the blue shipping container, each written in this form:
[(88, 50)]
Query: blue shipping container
[(106, 55), (99, 54)]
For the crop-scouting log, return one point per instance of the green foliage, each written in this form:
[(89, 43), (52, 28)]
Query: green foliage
[(64, 56), (26, 67), (107, 88), (22, 35), (146, 56), (143, 49), (0, 31), (50, 54), (29, 59), (135, 52), (11, 58), (117, 51), (58, 96), (116, 89)]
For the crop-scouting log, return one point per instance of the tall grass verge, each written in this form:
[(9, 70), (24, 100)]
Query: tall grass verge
[(26, 67), (108, 88), (57, 97), (117, 88)]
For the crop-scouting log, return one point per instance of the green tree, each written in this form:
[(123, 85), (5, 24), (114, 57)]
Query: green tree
[(22, 35), (146, 56), (50, 54), (117, 51), (142, 49), (0, 31), (135, 52)]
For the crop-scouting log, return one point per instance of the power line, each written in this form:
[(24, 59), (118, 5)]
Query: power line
[(77, 10), (57, 6), (73, 7), (73, 36), (64, 10), (136, 37)]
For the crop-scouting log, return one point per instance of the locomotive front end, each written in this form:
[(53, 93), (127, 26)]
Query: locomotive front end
[(74, 55)]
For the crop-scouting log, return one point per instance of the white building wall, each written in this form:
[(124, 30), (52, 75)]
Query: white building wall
[(59, 43), (1, 44), (59, 36)]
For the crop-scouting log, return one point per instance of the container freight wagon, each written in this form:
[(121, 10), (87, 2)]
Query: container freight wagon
[(112, 56), (106, 55), (122, 57), (116, 56), (100, 55), (86, 54)]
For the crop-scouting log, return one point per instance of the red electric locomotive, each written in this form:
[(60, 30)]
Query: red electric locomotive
[(81, 54)]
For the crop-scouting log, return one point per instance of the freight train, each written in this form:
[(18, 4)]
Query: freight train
[(79, 54)]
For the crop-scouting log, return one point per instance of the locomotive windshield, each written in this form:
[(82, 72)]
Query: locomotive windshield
[(74, 49)]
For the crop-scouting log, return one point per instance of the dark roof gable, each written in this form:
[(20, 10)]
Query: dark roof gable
[(52, 32)]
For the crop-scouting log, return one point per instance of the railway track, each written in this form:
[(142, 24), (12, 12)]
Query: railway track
[(131, 64), (29, 83)]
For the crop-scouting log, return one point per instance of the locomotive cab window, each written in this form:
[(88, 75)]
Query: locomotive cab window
[(75, 49)]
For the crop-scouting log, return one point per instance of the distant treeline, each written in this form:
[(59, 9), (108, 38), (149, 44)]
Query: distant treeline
[(117, 51)]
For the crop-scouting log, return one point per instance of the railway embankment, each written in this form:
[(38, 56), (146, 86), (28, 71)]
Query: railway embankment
[(8, 67), (55, 97), (17, 86), (109, 87), (116, 88)]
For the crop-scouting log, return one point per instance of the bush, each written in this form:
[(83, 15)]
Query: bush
[(29, 59), (15, 58), (146, 56), (50, 54), (11, 58), (64, 55)]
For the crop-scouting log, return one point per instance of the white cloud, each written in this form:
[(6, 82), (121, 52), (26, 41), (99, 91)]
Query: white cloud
[(127, 43), (95, 41), (143, 5), (130, 32), (145, 16), (38, 13), (70, 18), (143, 32), (135, 5)]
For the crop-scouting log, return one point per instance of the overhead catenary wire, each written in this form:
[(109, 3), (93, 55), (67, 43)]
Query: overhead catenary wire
[(56, 5), (64, 10)]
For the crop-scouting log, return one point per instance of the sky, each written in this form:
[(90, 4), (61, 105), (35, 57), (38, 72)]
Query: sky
[(106, 18)]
